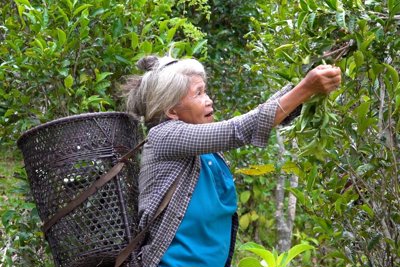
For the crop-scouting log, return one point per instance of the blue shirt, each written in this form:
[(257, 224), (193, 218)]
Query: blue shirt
[(203, 238)]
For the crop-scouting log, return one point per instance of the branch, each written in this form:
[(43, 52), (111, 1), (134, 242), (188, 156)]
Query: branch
[(384, 16), (372, 204), (78, 55), (381, 107), (340, 51)]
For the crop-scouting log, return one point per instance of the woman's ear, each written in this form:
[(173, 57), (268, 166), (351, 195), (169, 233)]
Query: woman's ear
[(172, 114)]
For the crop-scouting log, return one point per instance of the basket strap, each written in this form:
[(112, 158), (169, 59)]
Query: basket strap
[(135, 243), (91, 189)]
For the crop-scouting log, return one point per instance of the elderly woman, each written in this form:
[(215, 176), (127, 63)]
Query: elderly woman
[(198, 228)]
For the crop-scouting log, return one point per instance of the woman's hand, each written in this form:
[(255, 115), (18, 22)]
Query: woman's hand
[(321, 80)]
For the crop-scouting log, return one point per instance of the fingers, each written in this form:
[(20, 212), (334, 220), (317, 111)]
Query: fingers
[(323, 67), (329, 70), (323, 79), (334, 84)]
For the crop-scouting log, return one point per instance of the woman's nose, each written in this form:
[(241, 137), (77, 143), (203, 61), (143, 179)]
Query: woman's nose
[(209, 101)]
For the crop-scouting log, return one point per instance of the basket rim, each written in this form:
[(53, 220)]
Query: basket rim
[(66, 119)]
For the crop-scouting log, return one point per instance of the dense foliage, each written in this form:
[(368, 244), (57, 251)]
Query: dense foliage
[(346, 146), (60, 58), (65, 57)]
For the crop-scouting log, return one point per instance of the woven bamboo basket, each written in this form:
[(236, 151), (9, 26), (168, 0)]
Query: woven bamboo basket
[(62, 159)]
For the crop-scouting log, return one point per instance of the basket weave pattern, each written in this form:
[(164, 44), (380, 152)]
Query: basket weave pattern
[(62, 159)]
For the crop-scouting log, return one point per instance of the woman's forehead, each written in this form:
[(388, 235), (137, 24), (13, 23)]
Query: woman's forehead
[(196, 79)]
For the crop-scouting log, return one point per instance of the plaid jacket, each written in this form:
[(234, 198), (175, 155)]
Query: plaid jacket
[(174, 147)]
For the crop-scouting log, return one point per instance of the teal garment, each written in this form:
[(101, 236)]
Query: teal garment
[(203, 238)]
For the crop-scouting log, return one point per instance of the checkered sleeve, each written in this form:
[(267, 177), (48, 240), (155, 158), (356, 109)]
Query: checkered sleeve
[(174, 139), (295, 113)]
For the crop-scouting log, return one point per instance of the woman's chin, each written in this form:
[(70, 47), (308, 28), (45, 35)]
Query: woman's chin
[(209, 119)]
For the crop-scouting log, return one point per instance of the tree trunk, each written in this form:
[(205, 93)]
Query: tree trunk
[(284, 220)]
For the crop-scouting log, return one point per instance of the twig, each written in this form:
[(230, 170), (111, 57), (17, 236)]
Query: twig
[(384, 16), (78, 55), (340, 51)]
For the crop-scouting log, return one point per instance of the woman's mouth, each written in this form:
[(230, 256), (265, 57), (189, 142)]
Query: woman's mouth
[(210, 114)]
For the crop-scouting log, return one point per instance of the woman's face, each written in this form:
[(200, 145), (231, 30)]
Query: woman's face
[(196, 107)]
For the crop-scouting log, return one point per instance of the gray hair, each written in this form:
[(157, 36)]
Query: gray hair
[(165, 82)]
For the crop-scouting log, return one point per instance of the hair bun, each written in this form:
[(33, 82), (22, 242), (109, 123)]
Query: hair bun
[(147, 63)]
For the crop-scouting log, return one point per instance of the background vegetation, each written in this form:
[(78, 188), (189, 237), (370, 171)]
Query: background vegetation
[(340, 158)]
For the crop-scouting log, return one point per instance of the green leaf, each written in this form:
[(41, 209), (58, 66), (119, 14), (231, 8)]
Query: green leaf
[(249, 262), (393, 74), (117, 28), (69, 4), (23, 2), (358, 58), (28, 205), (362, 110), (257, 170), (199, 46), (299, 195), (397, 107), (364, 168), (296, 250), (332, 4), (62, 37), (146, 47), (259, 250), (38, 43), (134, 40), (311, 178), (282, 259), (287, 56), (341, 19), (311, 20), (284, 46), (266, 255), (325, 226), (122, 59), (147, 28), (81, 8), (7, 216), (254, 216), (101, 75), (374, 241), (250, 245), (68, 81), (394, 7), (368, 210), (63, 14), (300, 20), (171, 34), (304, 5), (312, 5), (245, 196), (365, 44), (244, 221), (256, 24), (9, 113), (291, 168)]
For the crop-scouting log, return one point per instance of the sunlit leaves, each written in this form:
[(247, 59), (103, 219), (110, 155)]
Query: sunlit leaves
[(245, 196), (68, 81), (271, 258), (288, 167)]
